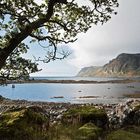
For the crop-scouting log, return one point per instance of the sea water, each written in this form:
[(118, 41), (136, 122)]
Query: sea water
[(74, 93)]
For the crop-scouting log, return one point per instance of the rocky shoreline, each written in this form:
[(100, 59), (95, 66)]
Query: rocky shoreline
[(61, 121), (115, 112)]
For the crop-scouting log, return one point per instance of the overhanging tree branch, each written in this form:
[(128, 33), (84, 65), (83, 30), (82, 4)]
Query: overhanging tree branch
[(20, 19), (19, 37)]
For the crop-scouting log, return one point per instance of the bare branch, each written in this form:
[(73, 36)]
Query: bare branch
[(52, 39), (64, 26)]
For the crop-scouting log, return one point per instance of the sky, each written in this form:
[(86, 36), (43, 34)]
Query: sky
[(100, 44)]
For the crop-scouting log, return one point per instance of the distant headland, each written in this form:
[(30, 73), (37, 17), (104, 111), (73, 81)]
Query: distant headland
[(124, 65)]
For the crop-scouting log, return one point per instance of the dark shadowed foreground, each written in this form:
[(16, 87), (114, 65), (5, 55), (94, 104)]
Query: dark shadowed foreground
[(20, 119)]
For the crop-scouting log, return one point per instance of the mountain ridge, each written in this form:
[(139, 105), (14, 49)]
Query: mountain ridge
[(124, 65)]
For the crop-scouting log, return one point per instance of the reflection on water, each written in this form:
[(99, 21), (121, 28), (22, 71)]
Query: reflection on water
[(108, 93)]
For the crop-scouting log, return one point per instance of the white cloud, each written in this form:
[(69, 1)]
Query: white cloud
[(102, 43)]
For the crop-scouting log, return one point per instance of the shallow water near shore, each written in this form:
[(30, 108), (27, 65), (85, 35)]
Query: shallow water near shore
[(74, 93)]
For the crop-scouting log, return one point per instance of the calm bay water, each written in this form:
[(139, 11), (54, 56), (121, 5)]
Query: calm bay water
[(107, 93), (77, 78)]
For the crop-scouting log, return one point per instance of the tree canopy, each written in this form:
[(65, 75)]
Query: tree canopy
[(53, 21)]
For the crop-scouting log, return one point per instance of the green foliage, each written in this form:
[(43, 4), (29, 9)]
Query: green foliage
[(89, 131), (54, 21), (85, 111), (66, 130), (23, 123), (17, 67), (133, 129), (86, 114), (70, 17), (123, 135), (32, 124), (63, 132)]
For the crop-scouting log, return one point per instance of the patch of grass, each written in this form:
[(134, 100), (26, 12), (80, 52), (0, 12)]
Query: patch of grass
[(133, 129), (123, 135), (9, 117), (85, 110), (89, 131), (62, 132), (23, 123), (86, 114)]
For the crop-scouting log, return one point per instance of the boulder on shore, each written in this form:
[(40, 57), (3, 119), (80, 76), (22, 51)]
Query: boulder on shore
[(86, 114), (24, 124)]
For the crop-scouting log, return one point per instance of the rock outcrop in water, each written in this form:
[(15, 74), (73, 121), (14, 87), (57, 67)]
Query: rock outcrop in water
[(124, 65)]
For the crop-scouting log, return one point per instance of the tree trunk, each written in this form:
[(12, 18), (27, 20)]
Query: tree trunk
[(19, 37), (12, 44)]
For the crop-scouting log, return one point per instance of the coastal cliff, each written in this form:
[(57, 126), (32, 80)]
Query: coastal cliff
[(124, 65)]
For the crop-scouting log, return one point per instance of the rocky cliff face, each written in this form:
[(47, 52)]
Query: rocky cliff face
[(89, 71), (124, 65)]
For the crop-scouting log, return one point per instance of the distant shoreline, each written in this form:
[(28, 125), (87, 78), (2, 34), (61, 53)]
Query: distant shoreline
[(73, 81)]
